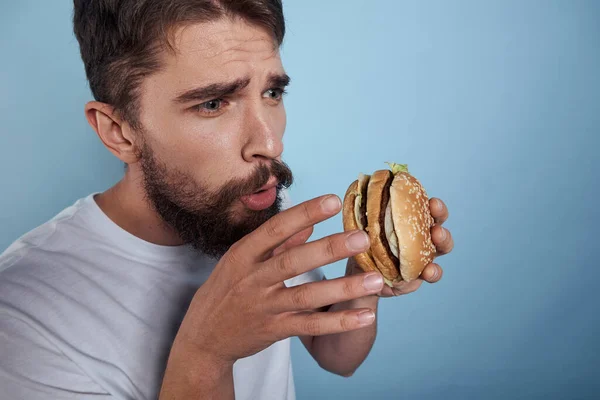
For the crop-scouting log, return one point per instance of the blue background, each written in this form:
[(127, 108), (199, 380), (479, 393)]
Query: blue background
[(494, 105)]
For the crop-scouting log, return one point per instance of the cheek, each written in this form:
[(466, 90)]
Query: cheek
[(206, 149), (190, 139)]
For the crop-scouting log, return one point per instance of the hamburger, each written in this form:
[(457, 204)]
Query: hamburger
[(392, 206)]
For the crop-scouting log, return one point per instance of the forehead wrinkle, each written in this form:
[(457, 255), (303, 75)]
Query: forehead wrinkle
[(201, 41), (240, 48), (221, 48), (266, 53), (234, 60)]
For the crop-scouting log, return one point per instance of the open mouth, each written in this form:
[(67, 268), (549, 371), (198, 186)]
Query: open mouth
[(271, 183), (262, 198)]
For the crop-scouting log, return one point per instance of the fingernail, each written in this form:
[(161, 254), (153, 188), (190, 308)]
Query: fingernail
[(373, 282), (439, 204), (357, 241), (331, 204), (366, 317), (434, 274), (443, 234)]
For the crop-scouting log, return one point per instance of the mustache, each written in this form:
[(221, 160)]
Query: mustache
[(237, 188)]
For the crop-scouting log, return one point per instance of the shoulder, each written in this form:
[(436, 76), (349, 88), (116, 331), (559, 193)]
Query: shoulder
[(32, 367), (44, 238), (37, 271)]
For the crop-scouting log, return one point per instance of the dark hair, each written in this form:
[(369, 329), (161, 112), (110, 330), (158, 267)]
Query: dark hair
[(121, 40)]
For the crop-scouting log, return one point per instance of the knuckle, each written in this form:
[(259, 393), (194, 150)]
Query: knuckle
[(272, 227), (329, 247), (347, 322), (306, 211), (347, 288), (285, 262), (312, 326), (270, 323), (233, 255), (278, 326), (404, 290), (238, 288), (236, 247), (301, 297)]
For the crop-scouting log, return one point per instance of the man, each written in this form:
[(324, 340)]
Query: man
[(185, 280)]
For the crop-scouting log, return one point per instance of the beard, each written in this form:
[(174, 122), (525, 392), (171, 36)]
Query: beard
[(204, 218)]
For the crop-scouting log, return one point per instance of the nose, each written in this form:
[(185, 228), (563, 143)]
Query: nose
[(263, 132)]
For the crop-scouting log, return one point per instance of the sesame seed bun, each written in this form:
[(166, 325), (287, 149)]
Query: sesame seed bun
[(398, 222), (412, 224)]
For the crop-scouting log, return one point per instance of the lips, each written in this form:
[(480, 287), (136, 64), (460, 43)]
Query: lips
[(262, 198), (269, 185)]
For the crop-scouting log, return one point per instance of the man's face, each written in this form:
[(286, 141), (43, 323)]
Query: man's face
[(213, 122)]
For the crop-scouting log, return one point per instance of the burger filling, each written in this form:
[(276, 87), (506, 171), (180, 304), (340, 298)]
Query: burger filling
[(388, 231), (360, 202)]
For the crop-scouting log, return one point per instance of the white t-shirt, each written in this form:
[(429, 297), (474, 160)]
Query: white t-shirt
[(89, 311)]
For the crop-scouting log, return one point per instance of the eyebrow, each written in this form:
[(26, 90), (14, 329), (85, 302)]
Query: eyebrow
[(278, 80), (221, 89), (212, 91)]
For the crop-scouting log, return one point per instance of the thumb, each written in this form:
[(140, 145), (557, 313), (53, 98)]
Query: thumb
[(296, 240)]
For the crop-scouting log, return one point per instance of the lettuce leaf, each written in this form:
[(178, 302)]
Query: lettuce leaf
[(398, 167)]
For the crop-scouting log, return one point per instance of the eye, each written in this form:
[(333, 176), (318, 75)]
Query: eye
[(274, 94), (211, 107)]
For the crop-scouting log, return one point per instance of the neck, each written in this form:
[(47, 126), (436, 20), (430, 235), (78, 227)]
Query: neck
[(126, 205)]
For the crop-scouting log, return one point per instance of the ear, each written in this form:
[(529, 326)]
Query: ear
[(114, 133)]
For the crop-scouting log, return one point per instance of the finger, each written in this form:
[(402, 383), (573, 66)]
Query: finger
[(307, 323), (284, 225), (432, 273), (315, 295), (298, 239), (308, 256), (442, 239), (403, 287), (439, 211)]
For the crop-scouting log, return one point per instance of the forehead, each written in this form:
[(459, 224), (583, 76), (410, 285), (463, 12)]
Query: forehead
[(220, 50)]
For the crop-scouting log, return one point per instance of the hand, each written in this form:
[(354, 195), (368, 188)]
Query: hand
[(244, 306), (442, 239)]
